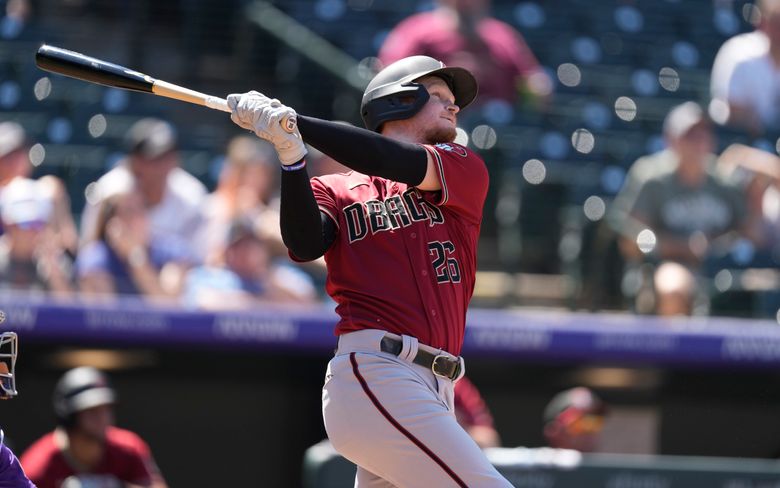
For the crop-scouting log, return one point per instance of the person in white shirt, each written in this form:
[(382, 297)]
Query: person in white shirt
[(173, 197), (753, 90)]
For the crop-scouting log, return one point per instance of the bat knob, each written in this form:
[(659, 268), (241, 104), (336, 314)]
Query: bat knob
[(289, 123)]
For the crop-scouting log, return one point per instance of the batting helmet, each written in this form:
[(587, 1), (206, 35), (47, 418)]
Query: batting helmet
[(393, 94), (8, 351), (80, 389)]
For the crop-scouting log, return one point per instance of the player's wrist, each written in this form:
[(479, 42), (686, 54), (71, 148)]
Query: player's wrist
[(295, 166)]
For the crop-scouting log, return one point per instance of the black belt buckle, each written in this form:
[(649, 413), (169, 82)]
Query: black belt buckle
[(445, 367)]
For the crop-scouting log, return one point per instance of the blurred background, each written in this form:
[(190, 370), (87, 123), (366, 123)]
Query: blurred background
[(632, 148)]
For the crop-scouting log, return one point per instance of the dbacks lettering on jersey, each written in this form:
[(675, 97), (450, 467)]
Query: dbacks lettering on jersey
[(391, 213)]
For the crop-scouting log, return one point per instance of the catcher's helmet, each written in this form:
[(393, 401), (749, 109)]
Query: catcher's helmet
[(80, 389), (8, 351), (393, 94)]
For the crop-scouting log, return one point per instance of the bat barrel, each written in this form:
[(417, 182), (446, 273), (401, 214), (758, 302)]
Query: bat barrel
[(77, 65)]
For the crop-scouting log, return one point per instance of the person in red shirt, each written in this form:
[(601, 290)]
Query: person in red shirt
[(399, 235), (86, 449), (462, 33)]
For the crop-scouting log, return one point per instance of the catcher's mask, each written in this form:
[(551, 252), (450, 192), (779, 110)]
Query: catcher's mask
[(394, 94), (8, 352)]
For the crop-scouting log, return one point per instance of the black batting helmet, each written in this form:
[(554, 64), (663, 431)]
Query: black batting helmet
[(80, 389), (393, 94)]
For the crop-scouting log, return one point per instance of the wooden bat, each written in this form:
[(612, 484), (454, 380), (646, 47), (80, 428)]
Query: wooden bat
[(79, 66), (93, 70)]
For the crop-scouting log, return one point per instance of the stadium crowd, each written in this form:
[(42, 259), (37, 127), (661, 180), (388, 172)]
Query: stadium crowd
[(665, 234)]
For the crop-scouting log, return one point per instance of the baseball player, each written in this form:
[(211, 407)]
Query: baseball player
[(86, 450), (11, 472), (399, 236)]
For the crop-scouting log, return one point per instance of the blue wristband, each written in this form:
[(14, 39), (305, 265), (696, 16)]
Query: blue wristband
[(295, 167)]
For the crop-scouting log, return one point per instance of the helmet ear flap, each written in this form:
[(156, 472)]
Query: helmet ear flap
[(394, 104)]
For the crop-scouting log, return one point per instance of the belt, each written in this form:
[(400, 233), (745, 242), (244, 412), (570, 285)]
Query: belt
[(441, 364)]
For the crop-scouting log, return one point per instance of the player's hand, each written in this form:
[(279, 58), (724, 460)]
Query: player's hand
[(270, 120)]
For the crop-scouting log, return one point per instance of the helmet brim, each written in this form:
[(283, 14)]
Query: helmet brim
[(462, 83), (91, 398)]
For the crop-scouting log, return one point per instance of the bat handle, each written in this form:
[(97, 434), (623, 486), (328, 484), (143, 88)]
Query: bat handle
[(288, 123), (217, 104)]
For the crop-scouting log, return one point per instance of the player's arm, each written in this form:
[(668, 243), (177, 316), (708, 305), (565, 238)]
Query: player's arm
[(370, 153), (362, 150), (306, 231)]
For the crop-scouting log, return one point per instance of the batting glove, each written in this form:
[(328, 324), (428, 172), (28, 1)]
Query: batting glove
[(270, 120)]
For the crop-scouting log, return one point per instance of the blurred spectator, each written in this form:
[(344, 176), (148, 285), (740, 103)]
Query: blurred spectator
[(31, 254), (246, 275), (682, 200), (11, 473), (123, 257), (759, 173), (462, 33), (735, 50), (751, 93), (86, 450), (474, 415), (172, 197), (245, 190), (683, 211), (15, 162), (16, 20), (573, 419)]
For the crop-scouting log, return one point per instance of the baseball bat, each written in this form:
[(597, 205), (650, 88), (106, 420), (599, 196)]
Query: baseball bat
[(81, 67)]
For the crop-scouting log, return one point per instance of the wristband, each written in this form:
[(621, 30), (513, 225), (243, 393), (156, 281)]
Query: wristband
[(295, 167)]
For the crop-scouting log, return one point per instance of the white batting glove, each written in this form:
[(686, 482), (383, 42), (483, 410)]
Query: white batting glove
[(270, 120)]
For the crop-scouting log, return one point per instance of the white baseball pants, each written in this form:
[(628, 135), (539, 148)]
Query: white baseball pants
[(395, 420)]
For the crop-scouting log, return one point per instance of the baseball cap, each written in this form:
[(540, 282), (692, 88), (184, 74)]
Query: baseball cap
[(12, 137), (579, 398), (239, 229), (683, 118), (150, 138), (23, 201)]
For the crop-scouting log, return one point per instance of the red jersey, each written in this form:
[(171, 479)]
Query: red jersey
[(127, 457), (404, 260)]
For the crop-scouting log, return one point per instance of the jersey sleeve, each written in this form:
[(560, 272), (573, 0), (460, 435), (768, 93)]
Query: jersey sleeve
[(326, 199), (142, 469), (464, 180)]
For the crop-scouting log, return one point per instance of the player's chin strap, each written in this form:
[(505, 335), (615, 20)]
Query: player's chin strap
[(409, 348)]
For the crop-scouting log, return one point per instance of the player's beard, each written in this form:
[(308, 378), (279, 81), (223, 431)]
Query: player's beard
[(436, 135)]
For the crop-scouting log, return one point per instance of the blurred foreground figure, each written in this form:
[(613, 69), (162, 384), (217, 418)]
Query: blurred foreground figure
[(573, 420), (11, 472), (86, 450)]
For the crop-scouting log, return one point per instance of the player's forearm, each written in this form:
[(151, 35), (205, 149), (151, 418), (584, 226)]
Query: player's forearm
[(299, 216), (365, 151)]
